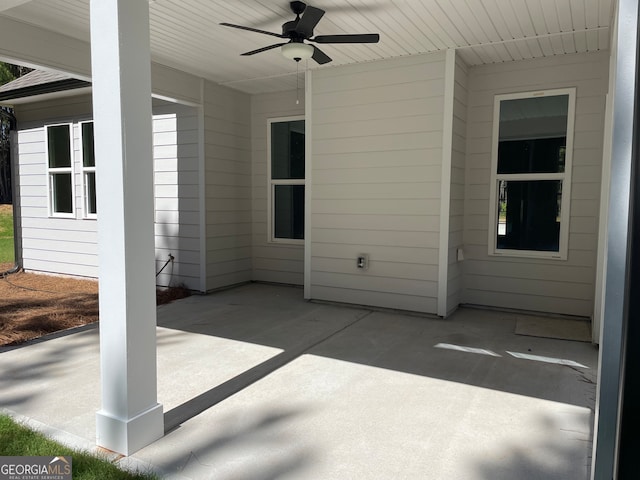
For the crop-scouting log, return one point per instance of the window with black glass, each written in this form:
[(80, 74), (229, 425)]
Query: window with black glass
[(531, 177), (59, 169), (287, 178), (88, 169)]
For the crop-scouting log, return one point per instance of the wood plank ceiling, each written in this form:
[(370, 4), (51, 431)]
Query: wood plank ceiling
[(185, 33)]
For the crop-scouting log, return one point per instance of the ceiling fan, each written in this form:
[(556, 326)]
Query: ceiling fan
[(301, 29)]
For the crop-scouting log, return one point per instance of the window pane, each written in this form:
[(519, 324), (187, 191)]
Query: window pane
[(90, 186), (289, 211), (88, 155), (533, 134), (542, 155), (62, 193), (287, 150), (529, 215), (58, 138)]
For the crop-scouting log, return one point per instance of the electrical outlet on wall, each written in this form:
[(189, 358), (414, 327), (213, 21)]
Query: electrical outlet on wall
[(363, 261)]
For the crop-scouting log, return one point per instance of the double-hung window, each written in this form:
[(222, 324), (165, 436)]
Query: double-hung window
[(88, 169), (286, 151), (59, 148), (531, 174)]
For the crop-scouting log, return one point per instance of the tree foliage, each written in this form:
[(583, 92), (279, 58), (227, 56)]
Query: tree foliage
[(8, 72), (5, 74), (7, 122)]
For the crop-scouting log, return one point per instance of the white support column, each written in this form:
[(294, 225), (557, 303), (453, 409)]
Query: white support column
[(130, 417), (614, 339), (308, 171), (445, 182)]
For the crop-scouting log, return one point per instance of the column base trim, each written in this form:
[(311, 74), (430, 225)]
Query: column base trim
[(129, 436)]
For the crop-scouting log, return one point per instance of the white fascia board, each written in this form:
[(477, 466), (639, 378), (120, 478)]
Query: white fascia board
[(36, 47)]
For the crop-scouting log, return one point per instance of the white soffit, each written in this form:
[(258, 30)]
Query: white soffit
[(185, 33), (7, 4)]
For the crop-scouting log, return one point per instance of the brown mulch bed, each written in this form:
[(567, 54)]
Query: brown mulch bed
[(168, 295), (33, 305), (5, 267)]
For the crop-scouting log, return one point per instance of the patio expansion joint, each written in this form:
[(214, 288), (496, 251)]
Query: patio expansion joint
[(193, 407)]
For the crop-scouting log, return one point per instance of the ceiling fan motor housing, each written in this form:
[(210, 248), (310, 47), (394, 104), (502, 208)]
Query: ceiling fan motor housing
[(297, 7), (289, 30)]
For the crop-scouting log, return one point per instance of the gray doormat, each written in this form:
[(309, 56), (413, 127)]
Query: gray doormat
[(549, 327)]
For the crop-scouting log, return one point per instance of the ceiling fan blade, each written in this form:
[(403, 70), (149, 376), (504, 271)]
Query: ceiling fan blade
[(263, 49), (329, 9), (319, 56), (252, 30), (308, 21), (354, 38)]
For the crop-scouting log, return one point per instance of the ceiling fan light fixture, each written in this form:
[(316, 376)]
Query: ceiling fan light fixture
[(297, 51)]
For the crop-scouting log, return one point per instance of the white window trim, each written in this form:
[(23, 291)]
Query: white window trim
[(53, 171), (565, 176), (271, 183), (84, 170)]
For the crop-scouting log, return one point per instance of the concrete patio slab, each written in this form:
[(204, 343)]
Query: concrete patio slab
[(258, 384)]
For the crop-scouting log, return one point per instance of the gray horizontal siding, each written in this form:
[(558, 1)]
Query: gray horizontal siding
[(54, 245), (556, 286), (227, 147), (69, 245), (376, 170), (176, 191)]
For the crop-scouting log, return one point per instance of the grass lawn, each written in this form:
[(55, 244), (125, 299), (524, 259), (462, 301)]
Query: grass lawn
[(17, 440), (6, 234)]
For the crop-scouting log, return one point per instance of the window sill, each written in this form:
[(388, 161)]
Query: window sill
[(528, 254), (286, 241)]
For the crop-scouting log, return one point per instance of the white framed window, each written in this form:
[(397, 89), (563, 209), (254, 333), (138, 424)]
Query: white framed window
[(532, 153), (286, 177), (59, 148), (88, 170)]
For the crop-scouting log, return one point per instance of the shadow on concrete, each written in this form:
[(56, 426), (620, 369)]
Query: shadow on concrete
[(202, 402), (254, 435), (278, 316), (26, 377), (555, 458), (32, 369)]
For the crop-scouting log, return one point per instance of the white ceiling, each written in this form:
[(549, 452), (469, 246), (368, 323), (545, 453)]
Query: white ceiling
[(185, 33)]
